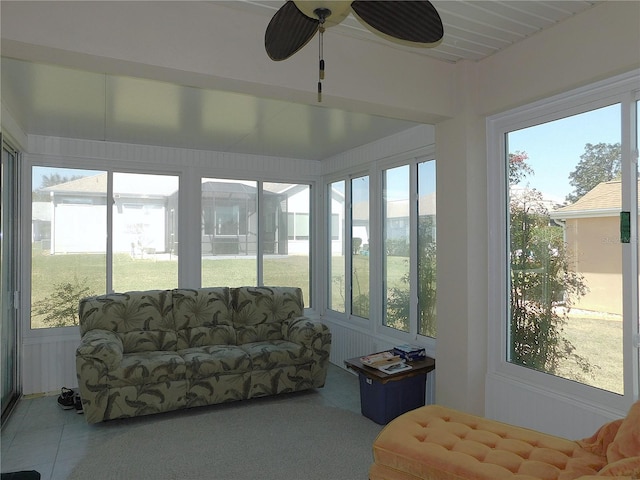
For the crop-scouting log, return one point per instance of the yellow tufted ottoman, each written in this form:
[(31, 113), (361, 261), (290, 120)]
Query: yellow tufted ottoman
[(438, 443)]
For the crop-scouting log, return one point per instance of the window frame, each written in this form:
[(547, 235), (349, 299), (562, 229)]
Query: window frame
[(620, 89)]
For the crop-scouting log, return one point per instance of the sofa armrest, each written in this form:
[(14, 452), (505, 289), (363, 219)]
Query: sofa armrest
[(307, 332), (102, 345), (315, 338)]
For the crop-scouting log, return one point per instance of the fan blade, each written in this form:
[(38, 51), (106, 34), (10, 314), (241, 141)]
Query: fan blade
[(408, 21), (288, 31)]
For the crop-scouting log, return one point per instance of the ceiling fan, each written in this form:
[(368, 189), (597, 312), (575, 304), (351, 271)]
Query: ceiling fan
[(409, 22)]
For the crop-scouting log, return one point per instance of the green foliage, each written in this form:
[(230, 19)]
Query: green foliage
[(60, 308), (541, 282), (398, 301), (397, 247), (518, 167), (599, 163)]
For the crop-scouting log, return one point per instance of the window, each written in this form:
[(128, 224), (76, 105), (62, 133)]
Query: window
[(229, 232), (145, 224), (68, 242), (360, 246), (409, 239), (570, 290), (286, 236), (397, 247), (353, 286), (406, 233), (72, 245), (427, 249), (337, 240), (235, 254)]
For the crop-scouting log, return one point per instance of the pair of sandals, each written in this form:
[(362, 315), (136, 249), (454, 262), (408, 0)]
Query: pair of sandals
[(69, 400)]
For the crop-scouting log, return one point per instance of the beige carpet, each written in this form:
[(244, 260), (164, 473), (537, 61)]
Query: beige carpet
[(290, 439)]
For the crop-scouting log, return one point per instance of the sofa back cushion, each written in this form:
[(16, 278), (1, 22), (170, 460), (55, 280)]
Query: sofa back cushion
[(142, 320), (203, 317), (259, 312)]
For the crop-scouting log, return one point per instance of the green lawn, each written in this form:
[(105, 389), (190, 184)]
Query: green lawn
[(599, 340), (50, 271)]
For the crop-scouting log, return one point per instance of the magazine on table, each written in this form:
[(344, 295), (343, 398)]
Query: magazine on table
[(380, 359), (394, 368)]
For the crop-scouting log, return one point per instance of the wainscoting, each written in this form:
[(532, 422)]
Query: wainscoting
[(49, 363), (511, 401)]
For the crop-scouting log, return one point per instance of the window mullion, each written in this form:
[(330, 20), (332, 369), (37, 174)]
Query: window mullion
[(413, 251), (109, 236)]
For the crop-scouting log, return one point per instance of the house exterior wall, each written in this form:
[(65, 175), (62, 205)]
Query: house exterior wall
[(595, 252)]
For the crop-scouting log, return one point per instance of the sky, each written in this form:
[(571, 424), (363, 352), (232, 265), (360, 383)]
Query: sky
[(554, 148)]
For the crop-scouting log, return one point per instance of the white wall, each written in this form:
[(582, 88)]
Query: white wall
[(565, 56)]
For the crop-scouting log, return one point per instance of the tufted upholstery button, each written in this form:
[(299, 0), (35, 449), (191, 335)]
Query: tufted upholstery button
[(453, 445)]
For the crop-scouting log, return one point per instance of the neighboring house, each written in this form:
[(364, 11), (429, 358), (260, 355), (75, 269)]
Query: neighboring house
[(74, 221), (397, 223), (41, 223), (142, 221), (230, 218), (592, 234)]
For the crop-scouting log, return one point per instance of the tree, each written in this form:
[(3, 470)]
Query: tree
[(599, 163), (540, 282), (518, 167), (60, 309)]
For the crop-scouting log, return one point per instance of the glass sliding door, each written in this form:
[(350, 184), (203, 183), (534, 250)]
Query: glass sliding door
[(565, 184), (8, 281)]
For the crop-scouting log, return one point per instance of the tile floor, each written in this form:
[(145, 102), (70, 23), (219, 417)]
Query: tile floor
[(41, 436)]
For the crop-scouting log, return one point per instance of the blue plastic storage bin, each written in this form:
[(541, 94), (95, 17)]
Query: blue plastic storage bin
[(382, 402)]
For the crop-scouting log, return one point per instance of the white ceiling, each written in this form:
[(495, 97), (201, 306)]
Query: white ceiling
[(473, 29), (56, 101)]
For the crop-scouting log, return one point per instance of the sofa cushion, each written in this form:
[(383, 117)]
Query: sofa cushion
[(147, 368), (259, 312), (277, 353), (215, 360), (142, 320), (202, 317)]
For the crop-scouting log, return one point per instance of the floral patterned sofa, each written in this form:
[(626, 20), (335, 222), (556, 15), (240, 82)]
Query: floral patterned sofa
[(159, 350)]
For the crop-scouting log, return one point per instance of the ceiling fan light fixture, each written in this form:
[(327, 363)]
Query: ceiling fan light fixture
[(409, 22), (338, 10)]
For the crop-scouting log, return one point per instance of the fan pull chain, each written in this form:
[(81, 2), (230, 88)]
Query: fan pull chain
[(321, 55)]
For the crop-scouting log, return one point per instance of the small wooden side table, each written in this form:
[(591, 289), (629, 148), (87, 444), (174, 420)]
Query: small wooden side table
[(384, 396)]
